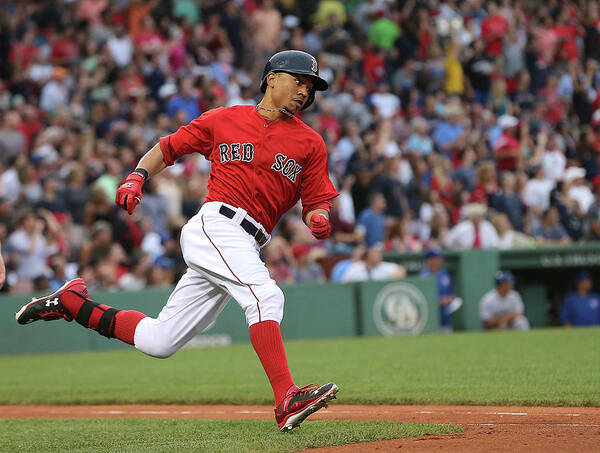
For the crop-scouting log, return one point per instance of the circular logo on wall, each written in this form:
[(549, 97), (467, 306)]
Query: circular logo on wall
[(400, 309)]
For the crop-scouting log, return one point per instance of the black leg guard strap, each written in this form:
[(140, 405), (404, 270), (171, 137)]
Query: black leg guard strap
[(106, 325), (85, 311)]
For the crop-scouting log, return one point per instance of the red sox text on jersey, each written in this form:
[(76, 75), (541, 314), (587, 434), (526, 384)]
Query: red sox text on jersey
[(259, 165)]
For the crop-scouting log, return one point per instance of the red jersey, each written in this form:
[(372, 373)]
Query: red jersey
[(262, 166)]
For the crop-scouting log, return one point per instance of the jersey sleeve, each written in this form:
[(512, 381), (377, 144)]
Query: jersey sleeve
[(195, 137), (316, 189)]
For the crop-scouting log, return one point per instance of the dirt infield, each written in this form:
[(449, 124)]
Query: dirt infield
[(487, 428)]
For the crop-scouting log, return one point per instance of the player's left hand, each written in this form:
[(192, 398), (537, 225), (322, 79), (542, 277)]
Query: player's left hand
[(320, 226)]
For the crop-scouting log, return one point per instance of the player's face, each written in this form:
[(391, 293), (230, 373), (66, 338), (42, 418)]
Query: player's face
[(291, 90)]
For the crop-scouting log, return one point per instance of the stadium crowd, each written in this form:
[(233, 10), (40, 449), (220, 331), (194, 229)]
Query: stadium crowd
[(449, 124)]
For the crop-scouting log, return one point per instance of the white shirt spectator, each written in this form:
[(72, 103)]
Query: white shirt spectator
[(121, 50), (31, 263), (358, 272), (537, 193), (554, 163), (346, 207), (462, 236), (387, 104), (582, 195), (10, 186), (54, 95), (492, 304)]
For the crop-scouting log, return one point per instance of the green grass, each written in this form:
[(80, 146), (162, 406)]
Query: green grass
[(211, 436), (542, 367)]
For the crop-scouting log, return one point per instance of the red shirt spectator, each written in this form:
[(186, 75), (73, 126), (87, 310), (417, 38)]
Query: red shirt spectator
[(507, 150), (567, 41), (492, 30), (22, 52), (64, 49), (374, 66)]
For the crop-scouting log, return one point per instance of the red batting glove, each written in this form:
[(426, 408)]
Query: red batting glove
[(320, 226), (129, 194)]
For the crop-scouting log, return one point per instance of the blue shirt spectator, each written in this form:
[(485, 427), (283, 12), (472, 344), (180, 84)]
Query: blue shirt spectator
[(372, 220), (187, 101)]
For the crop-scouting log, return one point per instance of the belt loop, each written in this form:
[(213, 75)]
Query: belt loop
[(240, 214)]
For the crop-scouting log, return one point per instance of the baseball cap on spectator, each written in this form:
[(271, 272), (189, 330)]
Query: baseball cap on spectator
[(299, 250), (166, 90), (452, 109), (504, 277), (164, 262), (582, 275), (434, 253), (100, 226), (507, 121), (573, 173)]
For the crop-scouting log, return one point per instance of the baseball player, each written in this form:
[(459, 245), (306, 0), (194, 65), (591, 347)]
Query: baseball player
[(502, 307), (263, 160)]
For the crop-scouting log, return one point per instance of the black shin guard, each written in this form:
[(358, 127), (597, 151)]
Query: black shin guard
[(106, 324)]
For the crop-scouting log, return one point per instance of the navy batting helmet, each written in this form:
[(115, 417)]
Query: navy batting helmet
[(295, 62)]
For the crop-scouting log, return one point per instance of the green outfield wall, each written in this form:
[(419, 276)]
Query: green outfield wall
[(401, 307), (311, 311)]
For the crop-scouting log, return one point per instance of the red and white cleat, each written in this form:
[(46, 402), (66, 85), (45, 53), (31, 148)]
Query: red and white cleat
[(299, 403)]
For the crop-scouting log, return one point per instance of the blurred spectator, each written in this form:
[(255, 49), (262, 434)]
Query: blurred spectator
[(550, 231), (419, 141), (507, 148), (578, 190), (448, 301), (593, 215), (372, 220), (185, 101), (475, 232), (278, 259), (508, 238), (372, 267), (582, 307), (27, 248), (508, 201), (502, 308), (536, 193), (306, 269)]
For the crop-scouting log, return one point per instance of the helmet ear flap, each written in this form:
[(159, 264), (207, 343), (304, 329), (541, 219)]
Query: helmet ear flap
[(310, 100)]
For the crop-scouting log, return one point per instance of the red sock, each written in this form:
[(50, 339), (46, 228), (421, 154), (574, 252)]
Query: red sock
[(125, 320), (268, 344)]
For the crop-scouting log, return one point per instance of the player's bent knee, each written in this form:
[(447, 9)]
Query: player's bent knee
[(268, 308), (157, 350), (150, 339)]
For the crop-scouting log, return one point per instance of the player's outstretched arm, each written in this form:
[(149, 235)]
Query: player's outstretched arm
[(129, 194), (153, 161)]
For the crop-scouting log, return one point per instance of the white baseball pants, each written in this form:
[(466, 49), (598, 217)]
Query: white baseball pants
[(223, 262)]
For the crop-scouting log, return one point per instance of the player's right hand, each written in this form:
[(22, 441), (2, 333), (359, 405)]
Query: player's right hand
[(129, 194)]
